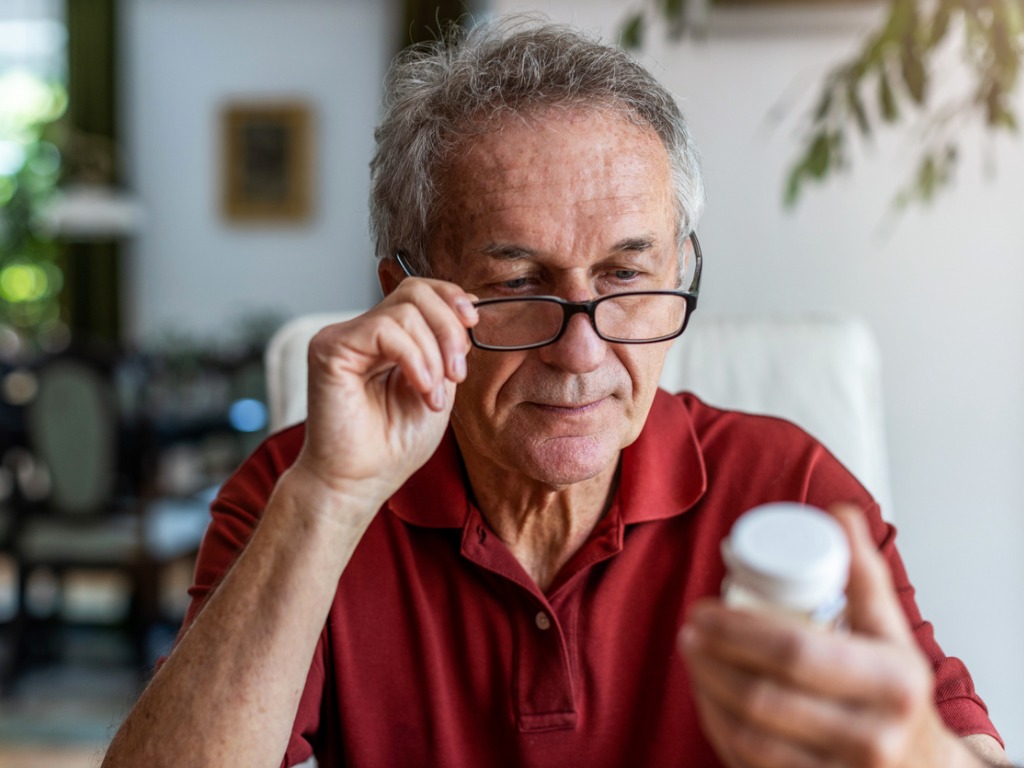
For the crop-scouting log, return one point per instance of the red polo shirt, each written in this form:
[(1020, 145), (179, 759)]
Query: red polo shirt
[(440, 650)]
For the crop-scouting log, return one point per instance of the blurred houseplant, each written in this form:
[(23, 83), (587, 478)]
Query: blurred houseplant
[(30, 165), (893, 77)]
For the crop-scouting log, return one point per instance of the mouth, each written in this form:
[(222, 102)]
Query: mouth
[(569, 409)]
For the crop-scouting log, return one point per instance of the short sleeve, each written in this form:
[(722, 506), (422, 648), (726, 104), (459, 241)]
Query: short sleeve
[(306, 728), (961, 708)]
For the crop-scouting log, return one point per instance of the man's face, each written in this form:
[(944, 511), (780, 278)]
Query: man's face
[(575, 205)]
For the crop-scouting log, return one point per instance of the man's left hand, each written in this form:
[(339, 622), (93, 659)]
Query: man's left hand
[(774, 691)]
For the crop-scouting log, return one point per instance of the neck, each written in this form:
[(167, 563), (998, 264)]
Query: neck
[(543, 526)]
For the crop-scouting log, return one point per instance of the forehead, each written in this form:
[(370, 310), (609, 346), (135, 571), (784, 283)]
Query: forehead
[(546, 142), (585, 172)]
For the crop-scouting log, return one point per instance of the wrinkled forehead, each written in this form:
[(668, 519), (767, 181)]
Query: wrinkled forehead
[(561, 187), (585, 155), (504, 128)]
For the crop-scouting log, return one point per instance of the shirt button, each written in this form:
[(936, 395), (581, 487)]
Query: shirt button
[(542, 620)]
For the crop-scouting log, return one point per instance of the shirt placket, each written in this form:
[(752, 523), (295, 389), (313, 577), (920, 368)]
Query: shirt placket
[(543, 685)]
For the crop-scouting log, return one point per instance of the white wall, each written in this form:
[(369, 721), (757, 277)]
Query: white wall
[(941, 289), (190, 269)]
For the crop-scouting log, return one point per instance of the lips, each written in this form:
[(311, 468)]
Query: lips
[(571, 407)]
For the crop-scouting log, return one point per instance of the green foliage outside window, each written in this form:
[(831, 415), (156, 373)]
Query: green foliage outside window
[(30, 166)]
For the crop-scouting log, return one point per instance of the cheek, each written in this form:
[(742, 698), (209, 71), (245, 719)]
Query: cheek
[(644, 364), (487, 375)]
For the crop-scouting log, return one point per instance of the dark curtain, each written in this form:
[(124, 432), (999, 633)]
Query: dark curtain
[(92, 270)]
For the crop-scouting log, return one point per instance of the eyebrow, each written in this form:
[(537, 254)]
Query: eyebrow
[(638, 243), (509, 252), (506, 252)]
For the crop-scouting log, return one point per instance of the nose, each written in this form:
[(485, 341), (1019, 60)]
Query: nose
[(579, 350)]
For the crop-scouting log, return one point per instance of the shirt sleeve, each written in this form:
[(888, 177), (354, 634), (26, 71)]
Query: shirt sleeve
[(961, 708), (306, 728)]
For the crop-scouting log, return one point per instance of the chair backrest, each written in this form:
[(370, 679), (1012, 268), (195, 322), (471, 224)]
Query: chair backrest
[(821, 372), (286, 359), (72, 428)]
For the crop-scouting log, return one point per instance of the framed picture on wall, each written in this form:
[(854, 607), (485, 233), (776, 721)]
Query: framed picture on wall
[(267, 163)]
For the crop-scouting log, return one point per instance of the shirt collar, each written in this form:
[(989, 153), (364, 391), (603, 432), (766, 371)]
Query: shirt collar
[(663, 474), (435, 496)]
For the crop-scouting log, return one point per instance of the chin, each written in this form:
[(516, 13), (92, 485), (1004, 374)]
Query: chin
[(563, 461)]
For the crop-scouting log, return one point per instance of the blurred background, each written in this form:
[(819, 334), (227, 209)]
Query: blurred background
[(178, 178)]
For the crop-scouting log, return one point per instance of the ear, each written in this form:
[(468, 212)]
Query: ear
[(389, 274)]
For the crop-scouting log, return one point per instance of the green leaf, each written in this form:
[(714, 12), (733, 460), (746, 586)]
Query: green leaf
[(913, 71), (935, 171), (1005, 118), (902, 20), (819, 156), (1014, 18), (996, 112), (940, 23), (793, 184), (927, 178), (886, 99), (1000, 40), (856, 105), (673, 9), (631, 35), (825, 103), (674, 12)]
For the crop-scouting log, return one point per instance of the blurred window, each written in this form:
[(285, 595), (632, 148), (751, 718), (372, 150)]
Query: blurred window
[(33, 96), (33, 37)]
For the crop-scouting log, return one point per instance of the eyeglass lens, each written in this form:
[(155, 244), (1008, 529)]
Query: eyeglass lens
[(625, 317)]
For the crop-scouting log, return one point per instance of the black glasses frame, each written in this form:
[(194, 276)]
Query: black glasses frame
[(588, 308)]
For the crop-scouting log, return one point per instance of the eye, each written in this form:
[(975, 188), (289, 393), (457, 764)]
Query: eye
[(515, 283), (511, 286), (626, 274)]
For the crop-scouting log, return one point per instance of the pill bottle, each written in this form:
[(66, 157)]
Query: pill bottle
[(789, 558)]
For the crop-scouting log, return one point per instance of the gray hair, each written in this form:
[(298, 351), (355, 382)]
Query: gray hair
[(439, 94)]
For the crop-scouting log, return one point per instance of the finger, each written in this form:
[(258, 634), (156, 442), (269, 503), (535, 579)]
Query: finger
[(873, 607), (369, 346), (847, 667), (448, 312), (412, 324), (815, 724), (818, 724), (742, 745), (434, 324)]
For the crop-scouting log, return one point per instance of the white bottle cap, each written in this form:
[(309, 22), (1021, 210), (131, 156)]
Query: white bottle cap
[(790, 554)]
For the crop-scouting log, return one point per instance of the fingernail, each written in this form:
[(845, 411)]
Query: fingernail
[(459, 364), (437, 397), (424, 375), (466, 308)]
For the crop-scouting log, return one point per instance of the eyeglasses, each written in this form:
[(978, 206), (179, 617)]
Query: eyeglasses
[(511, 324)]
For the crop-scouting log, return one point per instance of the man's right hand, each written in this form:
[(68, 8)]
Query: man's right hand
[(381, 388)]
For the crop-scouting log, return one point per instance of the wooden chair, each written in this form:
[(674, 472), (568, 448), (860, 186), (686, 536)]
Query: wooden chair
[(92, 522)]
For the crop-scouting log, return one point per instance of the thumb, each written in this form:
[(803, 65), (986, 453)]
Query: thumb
[(873, 607)]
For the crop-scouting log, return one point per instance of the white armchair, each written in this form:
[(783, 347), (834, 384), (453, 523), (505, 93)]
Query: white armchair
[(821, 372)]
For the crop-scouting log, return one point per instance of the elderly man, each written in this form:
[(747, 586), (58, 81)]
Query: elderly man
[(495, 541)]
